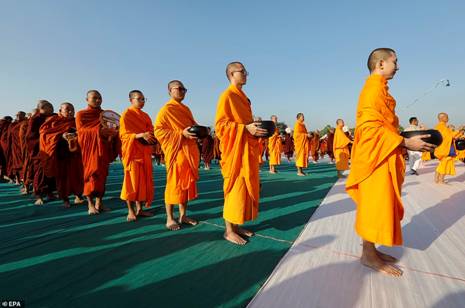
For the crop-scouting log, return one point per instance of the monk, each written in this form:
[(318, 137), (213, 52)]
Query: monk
[(378, 167), (238, 135), (59, 161), (207, 150), (216, 149), (15, 154), (99, 147), (330, 144), (182, 155), (315, 146), (301, 144), (136, 134), (261, 144), (341, 149), (275, 147), (445, 152), (4, 146), (288, 146), (43, 185), (28, 169)]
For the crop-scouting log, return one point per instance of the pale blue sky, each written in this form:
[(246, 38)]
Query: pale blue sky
[(303, 56)]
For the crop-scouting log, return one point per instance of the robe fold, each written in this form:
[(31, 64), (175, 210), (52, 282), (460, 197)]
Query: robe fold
[(182, 155), (378, 167), (341, 149), (97, 151), (446, 163), (58, 162), (275, 147), (239, 156), (301, 144), (136, 156), (4, 147), (207, 149), (15, 154), (288, 146), (315, 146)]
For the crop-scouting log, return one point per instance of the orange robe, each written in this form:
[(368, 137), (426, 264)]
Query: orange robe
[(182, 156), (58, 162), (97, 151), (425, 156), (341, 149), (275, 147), (378, 167), (239, 156), (446, 163), (261, 150), (301, 145), (136, 156)]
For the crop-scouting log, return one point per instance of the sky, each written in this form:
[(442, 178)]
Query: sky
[(302, 56)]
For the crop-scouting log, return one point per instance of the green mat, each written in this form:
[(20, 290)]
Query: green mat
[(56, 257)]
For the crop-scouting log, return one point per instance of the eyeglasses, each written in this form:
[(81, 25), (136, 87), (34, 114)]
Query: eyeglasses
[(180, 89), (243, 71)]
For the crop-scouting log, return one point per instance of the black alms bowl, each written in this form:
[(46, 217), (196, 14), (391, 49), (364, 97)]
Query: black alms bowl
[(435, 136), (460, 144), (269, 126), (199, 131)]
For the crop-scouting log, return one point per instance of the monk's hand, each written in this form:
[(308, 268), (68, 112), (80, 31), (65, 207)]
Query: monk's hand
[(417, 143), (147, 136), (255, 130), (187, 134)]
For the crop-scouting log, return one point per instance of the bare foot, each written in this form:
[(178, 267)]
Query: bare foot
[(66, 204), (142, 213), (234, 238), (39, 201), (273, 172), (24, 191), (386, 257), (301, 174), (131, 217), (92, 210), (78, 200), (172, 225), (377, 264), (188, 221), (245, 232)]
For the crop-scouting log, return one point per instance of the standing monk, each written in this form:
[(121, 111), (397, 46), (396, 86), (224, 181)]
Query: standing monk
[(136, 134), (42, 184), (330, 144), (378, 167), (301, 144), (341, 149), (182, 155), (207, 150), (15, 154), (288, 147), (99, 147), (275, 146), (446, 152), (4, 146), (28, 169), (59, 160), (238, 134), (315, 146)]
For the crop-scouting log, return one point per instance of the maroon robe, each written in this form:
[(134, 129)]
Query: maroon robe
[(207, 149)]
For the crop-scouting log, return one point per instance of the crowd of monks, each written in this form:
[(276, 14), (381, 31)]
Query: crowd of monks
[(70, 153)]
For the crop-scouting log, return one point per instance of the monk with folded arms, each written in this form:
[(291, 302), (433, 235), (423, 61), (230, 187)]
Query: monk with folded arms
[(59, 160), (341, 148), (99, 147), (275, 147), (182, 155), (301, 144), (238, 135), (378, 167), (136, 134), (446, 152)]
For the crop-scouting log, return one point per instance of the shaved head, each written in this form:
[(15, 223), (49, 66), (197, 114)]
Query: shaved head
[(44, 104), (66, 104), (93, 91), (173, 83), (339, 121), (233, 66), (300, 114), (135, 92), (443, 117), (377, 55)]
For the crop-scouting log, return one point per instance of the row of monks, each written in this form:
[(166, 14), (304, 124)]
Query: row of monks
[(376, 156)]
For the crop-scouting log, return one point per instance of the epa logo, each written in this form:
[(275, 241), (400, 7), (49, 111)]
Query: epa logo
[(13, 304)]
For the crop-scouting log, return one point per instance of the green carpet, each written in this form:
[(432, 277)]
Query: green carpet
[(56, 257)]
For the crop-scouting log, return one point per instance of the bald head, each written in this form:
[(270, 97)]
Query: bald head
[(443, 117), (232, 67), (377, 55), (66, 110), (45, 107), (339, 122), (173, 83)]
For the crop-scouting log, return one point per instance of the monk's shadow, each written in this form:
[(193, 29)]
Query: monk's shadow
[(425, 227), (451, 300)]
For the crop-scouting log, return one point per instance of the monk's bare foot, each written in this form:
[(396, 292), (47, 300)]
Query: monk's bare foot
[(66, 204), (234, 238), (39, 201), (24, 191), (377, 264), (100, 208), (78, 200), (142, 213), (131, 217), (245, 232), (301, 174), (188, 221), (92, 210), (386, 257), (273, 172), (172, 225)]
